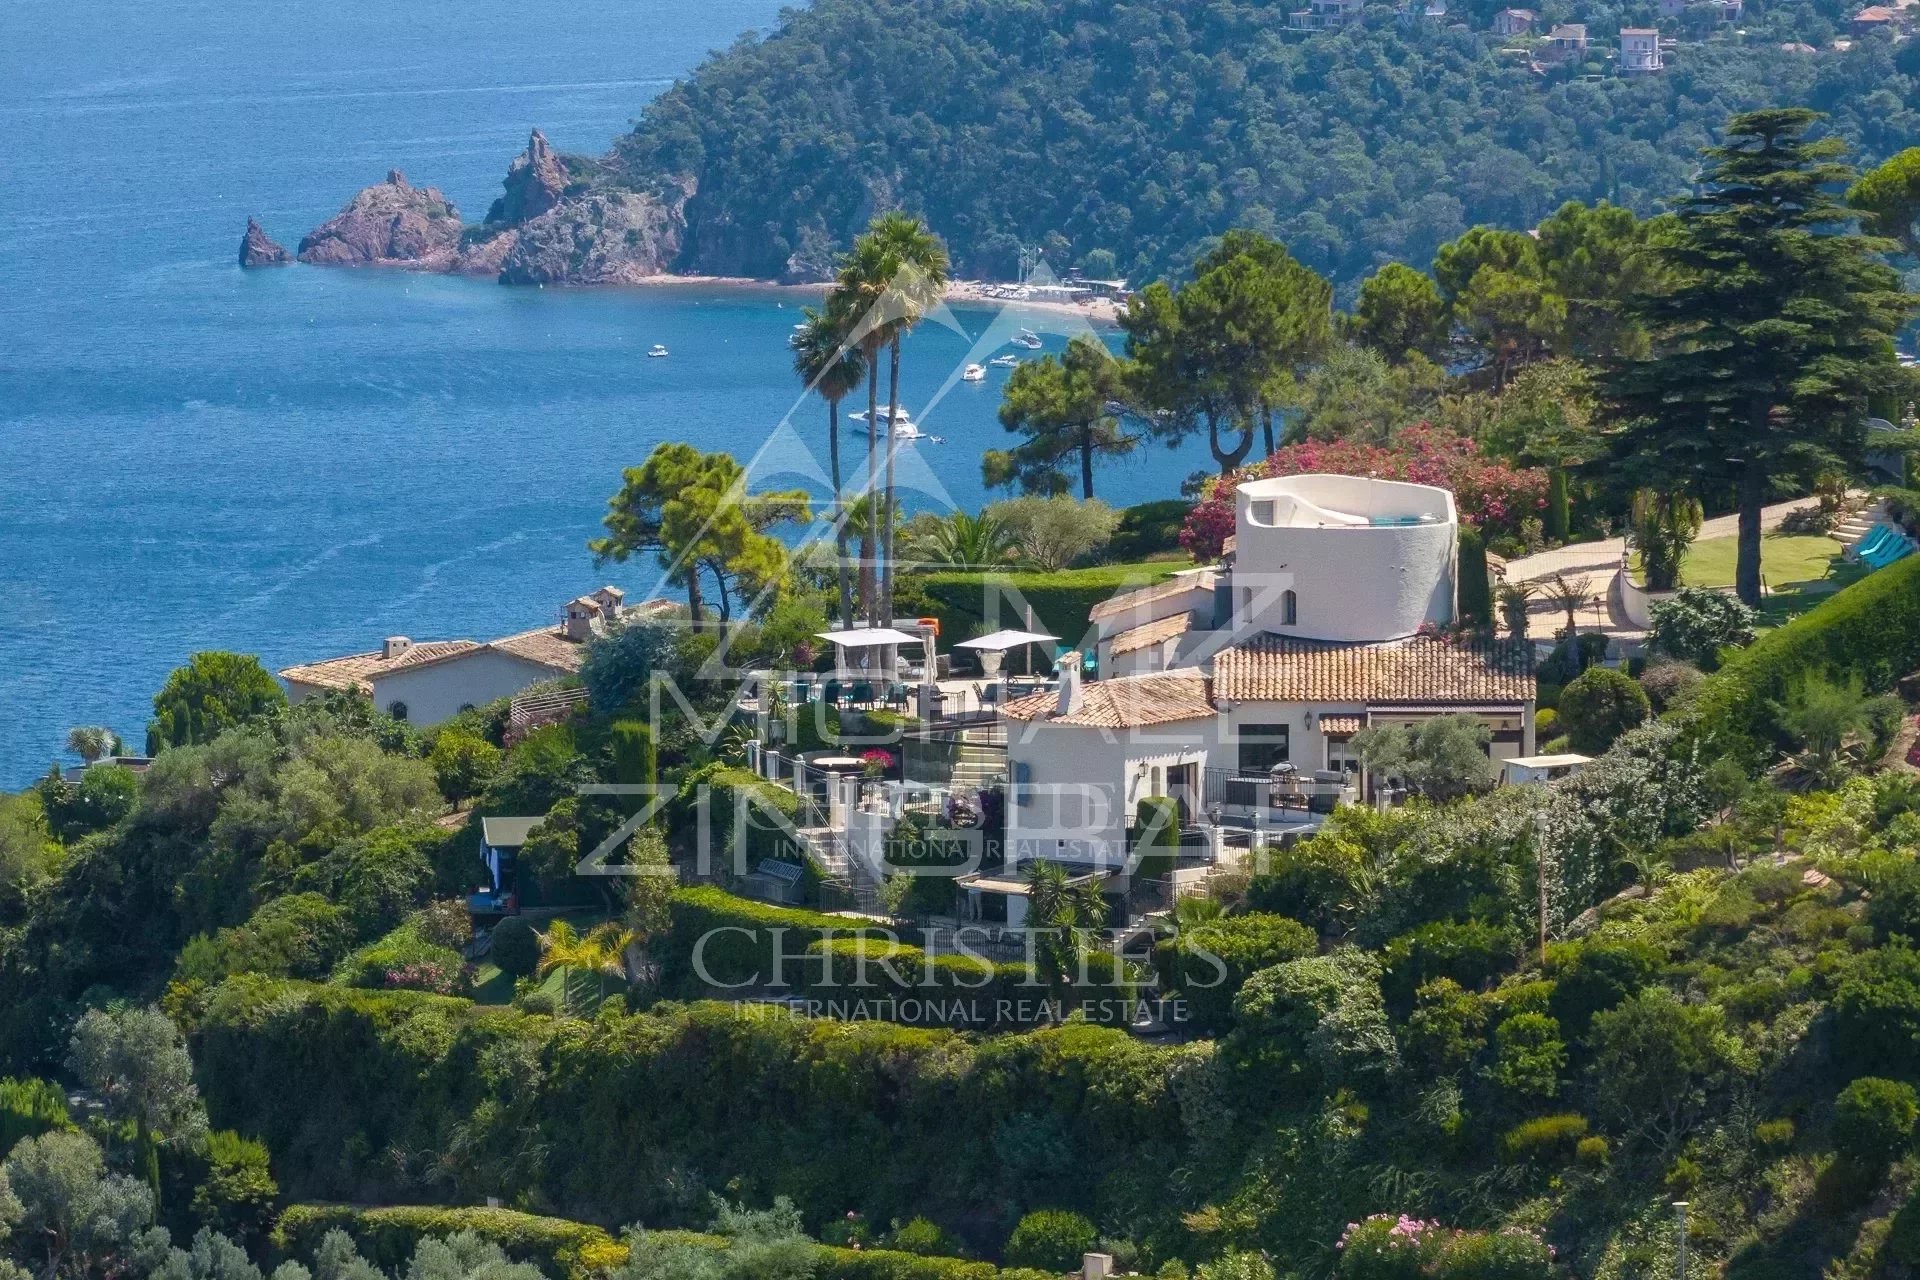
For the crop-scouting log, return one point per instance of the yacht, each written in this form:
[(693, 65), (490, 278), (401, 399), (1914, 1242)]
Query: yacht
[(974, 373), (1004, 362), (904, 427), (656, 352), (1027, 338)]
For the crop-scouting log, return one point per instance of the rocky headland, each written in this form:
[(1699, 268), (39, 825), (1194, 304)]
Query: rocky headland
[(257, 248), (560, 220)]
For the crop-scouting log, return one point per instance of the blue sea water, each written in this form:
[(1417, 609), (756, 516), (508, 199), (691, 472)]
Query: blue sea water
[(298, 462)]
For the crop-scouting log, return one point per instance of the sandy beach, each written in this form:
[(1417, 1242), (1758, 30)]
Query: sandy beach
[(968, 293)]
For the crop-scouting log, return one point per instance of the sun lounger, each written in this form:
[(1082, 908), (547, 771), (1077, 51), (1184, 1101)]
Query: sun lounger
[(1887, 553), (1874, 539)]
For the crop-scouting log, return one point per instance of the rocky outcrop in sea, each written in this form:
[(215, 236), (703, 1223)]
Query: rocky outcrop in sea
[(560, 220), (257, 249), (390, 224)]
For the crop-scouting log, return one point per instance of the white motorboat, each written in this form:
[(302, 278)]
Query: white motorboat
[(903, 426), (1005, 362), (974, 373), (656, 352), (1027, 338)]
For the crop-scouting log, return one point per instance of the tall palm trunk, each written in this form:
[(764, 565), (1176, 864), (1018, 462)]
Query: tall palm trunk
[(886, 521), (839, 516), (869, 596)]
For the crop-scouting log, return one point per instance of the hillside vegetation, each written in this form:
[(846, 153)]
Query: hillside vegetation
[(1144, 128)]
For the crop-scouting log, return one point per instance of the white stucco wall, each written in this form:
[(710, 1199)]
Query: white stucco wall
[(436, 692), (1352, 580)]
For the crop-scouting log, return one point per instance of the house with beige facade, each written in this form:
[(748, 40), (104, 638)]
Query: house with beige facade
[(428, 682)]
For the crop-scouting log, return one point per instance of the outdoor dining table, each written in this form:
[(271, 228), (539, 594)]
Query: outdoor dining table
[(839, 764)]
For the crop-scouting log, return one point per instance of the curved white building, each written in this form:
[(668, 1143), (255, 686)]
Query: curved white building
[(1344, 558)]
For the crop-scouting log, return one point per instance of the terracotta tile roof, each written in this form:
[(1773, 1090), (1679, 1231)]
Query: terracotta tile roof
[(357, 671), (1131, 702), (1167, 590), (1277, 669), (1340, 724), (547, 646), (1151, 633)]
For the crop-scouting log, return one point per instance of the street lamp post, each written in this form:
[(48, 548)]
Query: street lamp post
[(1680, 1229)]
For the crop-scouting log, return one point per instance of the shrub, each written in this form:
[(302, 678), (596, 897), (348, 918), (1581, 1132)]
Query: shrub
[(1870, 630), (1317, 1022), (238, 1193), (1529, 1055), (1055, 532), (463, 764), (1593, 1152), (1876, 1010), (1670, 684), (921, 1236), (1544, 1138), (1873, 1121), (1471, 952), (1388, 1247), (298, 935), (1149, 529), (1156, 826), (30, 1107), (386, 874), (404, 958), (1322, 881), (1209, 963), (1773, 1135), (1050, 1240), (1058, 602), (1476, 587), (515, 947), (1598, 706), (1447, 1027), (389, 1235), (1695, 624), (1591, 976), (1508, 1254)]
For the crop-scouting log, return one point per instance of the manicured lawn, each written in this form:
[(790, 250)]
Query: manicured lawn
[(1800, 569)]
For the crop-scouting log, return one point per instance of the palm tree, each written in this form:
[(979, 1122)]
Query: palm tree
[(830, 365), (861, 296), (601, 953), (1661, 528), (1515, 599), (963, 541), (1061, 911), (919, 281), (93, 742)]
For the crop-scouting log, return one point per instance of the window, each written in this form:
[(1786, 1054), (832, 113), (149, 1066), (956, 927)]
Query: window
[(1262, 746), (397, 709), (1289, 608)]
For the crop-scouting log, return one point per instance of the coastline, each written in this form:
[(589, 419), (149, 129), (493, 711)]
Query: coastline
[(968, 293)]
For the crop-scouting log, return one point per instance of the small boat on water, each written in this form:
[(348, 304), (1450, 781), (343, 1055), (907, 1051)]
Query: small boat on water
[(903, 427), (974, 373), (1027, 338), (1005, 362), (656, 352)]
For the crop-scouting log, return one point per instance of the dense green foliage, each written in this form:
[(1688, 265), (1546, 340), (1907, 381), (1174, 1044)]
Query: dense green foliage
[(1161, 125)]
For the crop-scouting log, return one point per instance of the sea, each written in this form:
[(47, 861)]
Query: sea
[(298, 462)]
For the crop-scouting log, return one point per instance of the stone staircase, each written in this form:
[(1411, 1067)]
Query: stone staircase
[(827, 849), (975, 766), (1858, 523)]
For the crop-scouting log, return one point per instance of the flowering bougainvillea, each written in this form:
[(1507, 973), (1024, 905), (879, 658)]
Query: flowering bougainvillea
[(425, 975), (1400, 1247), (1489, 494)]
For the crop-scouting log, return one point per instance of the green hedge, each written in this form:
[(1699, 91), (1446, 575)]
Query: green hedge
[(731, 956), (900, 983), (1871, 630), (1060, 602), (631, 1117), (387, 1236)]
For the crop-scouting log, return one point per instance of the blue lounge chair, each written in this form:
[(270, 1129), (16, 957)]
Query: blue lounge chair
[(1874, 539), (1887, 553)]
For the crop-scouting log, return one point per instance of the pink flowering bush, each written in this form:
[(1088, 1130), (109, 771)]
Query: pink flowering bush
[(1490, 494), (875, 762), (1399, 1247), (426, 975)]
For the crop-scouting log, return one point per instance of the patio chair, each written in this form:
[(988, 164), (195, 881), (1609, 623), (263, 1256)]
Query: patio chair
[(897, 695), (863, 694), (1897, 549), (830, 693), (1876, 538)]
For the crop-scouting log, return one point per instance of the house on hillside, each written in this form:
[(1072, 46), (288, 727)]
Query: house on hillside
[(1567, 42), (428, 682), (1237, 690), (1879, 18), (1513, 22), (1640, 51), (1325, 15)]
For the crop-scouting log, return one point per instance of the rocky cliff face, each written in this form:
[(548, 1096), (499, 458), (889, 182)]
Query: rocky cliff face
[(556, 222), (259, 250), (391, 224)]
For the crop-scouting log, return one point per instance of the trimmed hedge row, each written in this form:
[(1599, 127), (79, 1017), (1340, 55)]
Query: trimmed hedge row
[(1871, 629), (1059, 602), (903, 983), (741, 939), (629, 1118), (387, 1236)]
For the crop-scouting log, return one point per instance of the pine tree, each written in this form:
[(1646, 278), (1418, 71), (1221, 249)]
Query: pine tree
[(1777, 327)]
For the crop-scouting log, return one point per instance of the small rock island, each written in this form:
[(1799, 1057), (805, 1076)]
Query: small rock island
[(257, 249)]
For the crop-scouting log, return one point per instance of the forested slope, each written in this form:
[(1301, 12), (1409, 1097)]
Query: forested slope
[(1144, 126)]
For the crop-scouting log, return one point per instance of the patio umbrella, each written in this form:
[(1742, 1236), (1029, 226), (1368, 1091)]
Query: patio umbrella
[(1001, 641), (868, 638)]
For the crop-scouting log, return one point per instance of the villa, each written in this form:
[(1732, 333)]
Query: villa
[(1513, 22), (427, 682), (1640, 51), (1236, 690)]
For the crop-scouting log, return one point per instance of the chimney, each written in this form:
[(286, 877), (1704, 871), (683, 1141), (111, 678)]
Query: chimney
[(393, 646), (580, 616), (1069, 667), (610, 599), (1096, 1266)]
